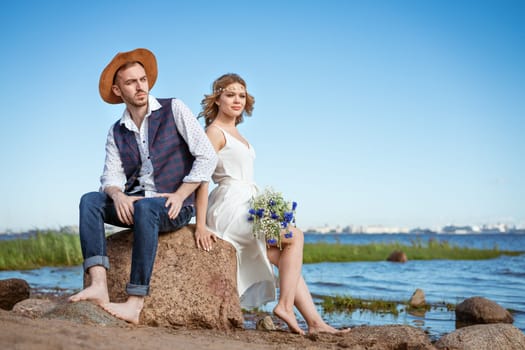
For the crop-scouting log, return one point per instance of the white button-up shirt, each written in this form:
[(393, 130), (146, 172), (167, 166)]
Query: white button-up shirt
[(190, 130)]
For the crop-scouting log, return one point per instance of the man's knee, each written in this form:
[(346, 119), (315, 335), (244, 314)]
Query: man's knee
[(91, 199), (151, 205)]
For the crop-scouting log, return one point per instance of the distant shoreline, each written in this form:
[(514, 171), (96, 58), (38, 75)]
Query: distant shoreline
[(32, 233), (412, 232)]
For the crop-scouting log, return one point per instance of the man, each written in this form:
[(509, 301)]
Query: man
[(157, 155)]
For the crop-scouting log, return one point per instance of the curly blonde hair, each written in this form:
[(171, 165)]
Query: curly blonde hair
[(209, 107)]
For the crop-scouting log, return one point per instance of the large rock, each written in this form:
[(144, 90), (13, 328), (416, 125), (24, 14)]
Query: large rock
[(189, 288), (479, 310), (390, 337), (12, 291), (498, 336)]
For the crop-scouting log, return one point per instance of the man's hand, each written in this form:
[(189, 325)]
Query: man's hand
[(173, 202), (204, 238), (124, 206)]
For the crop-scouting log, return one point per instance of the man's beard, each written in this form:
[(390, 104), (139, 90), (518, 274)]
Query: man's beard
[(133, 102)]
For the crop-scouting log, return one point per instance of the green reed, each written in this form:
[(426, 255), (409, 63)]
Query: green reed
[(45, 248), (51, 248), (348, 304), (418, 250)]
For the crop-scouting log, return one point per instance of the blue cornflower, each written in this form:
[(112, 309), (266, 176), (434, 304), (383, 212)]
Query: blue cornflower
[(288, 216), (274, 216), (271, 202), (288, 235), (284, 224), (294, 205), (250, 218), (260, 212), (251, 211), (272, 241)]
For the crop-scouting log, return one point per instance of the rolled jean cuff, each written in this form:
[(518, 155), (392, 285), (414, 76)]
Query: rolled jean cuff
[(137, 289), (97, 260)]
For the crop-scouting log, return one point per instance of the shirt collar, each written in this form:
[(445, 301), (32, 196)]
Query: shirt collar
[(153, 105)]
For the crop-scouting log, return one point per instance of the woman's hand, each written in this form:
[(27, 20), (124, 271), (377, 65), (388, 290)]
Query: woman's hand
[(204, 238), (173, 203)]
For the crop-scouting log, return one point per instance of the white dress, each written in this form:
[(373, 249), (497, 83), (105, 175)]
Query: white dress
[(227, 217)]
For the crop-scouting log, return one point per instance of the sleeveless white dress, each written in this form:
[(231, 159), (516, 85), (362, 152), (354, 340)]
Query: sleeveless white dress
[(227, 217)]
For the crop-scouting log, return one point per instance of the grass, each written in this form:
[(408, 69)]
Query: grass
[(347, 304), (52, 248), (45, 248), (418, 250)]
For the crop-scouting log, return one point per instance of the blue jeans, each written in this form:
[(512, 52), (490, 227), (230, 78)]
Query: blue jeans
[(150, 218)]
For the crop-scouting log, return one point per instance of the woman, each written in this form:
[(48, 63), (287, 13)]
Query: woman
[(227, 214)]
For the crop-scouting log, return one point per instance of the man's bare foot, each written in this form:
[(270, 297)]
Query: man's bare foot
[(128, 311), (289, 318), (97, 293)]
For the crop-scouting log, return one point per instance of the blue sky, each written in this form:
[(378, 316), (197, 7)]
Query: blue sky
[(399, 113)]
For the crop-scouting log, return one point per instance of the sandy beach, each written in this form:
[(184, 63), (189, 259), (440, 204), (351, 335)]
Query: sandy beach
[(46, 324), (84, 325), (20, 332)]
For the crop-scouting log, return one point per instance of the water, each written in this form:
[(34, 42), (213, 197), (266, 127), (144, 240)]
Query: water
[(443, 281), (64, 280), (514, 242)]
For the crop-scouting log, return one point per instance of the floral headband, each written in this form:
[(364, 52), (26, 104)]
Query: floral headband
[(220, 90)]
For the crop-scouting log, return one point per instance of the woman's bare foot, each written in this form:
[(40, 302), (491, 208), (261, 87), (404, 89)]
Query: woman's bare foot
[(97, 293), (128, 311), (289, 318), (325, 328)]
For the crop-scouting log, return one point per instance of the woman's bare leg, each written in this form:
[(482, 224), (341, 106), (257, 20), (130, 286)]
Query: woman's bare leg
[(302, 298), (289, 261), (306, 306)]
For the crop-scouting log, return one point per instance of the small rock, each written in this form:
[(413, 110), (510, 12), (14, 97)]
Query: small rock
[(12, 291), (265, 324), (33, 308), (418, 298), (84, 312), (397, 256)]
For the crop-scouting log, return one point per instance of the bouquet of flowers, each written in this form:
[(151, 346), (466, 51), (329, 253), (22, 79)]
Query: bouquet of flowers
[(270, 214)]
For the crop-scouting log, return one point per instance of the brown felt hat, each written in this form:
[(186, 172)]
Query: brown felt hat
[(144, 56)]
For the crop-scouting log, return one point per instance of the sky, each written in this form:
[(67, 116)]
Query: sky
[(377, 112)]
